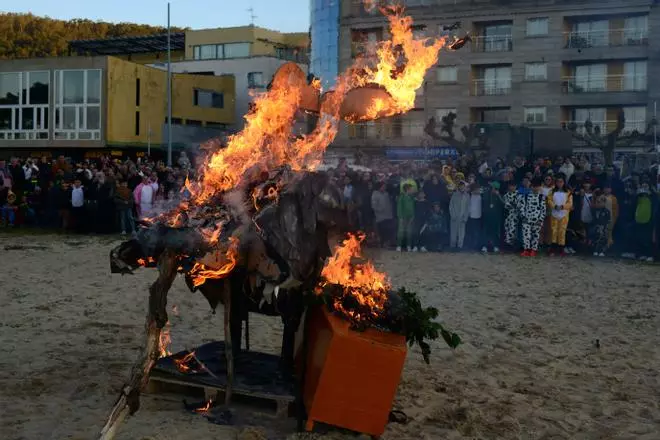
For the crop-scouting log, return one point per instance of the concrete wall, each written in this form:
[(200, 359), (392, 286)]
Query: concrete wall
[(239, 69), (549, 49)]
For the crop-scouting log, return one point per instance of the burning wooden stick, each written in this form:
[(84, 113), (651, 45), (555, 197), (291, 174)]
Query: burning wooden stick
[(129, 398)]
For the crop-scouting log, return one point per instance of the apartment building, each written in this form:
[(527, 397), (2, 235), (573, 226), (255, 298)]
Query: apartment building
[(87, 105), (536, 64)]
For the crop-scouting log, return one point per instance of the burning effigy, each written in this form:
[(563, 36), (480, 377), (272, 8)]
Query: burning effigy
[(255, 233)]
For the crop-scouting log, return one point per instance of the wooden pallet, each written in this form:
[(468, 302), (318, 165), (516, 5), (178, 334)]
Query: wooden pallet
[(164, 381)]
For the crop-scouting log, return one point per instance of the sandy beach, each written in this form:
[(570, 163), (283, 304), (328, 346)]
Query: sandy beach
[(553, 348)]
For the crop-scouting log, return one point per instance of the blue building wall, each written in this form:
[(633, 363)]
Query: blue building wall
[(324, 23)]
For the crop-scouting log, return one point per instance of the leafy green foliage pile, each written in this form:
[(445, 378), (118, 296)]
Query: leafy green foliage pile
[(404, 315)]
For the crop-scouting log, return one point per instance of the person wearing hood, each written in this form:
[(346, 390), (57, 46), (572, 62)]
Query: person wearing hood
[(459, 211), (533, 209)]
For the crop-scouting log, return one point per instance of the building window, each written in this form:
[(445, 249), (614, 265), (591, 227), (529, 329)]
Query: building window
[(236, 50), (590, 78), (447, 74), (78, 104), (24, 99), (536, 71), (636, 30), (443, 112), (635, 119), (256, 80), (535, 115), (537, 26), (597, 116), (496, 81), (634, 76), (496, 38), (137, 123), (590, 34), (208, 99), (419, 32)]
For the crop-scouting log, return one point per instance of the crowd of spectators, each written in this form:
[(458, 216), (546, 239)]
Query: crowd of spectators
[(566, 205), (101, 195)]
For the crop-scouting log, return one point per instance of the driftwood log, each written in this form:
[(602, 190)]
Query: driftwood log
[(129, 398)]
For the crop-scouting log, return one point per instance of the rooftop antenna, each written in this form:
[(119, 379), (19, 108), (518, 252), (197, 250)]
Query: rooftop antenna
[(252, 16)]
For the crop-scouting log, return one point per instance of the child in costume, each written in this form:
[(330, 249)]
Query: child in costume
[(9, 209), (612, 205), (511, 219), (459, 211), (532, 208), (600, 216), (560, 202)]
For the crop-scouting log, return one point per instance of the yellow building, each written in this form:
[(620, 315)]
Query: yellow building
[(94, 103), (244, 42)]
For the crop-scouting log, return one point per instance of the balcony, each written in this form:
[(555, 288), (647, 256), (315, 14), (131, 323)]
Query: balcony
[(493, 43), (604, 84), (606, 38), (485, 87), (607, 126)]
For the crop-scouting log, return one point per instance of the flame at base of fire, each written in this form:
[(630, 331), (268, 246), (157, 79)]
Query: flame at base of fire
[(164, 341), (360, 282)]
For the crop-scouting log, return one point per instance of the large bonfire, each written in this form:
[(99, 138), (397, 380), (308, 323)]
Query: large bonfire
[(257, 217)]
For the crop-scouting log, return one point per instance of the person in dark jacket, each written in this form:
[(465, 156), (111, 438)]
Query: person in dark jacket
[(436, 191), (493, 214), (434, 231), (422, 208), (600, 215)]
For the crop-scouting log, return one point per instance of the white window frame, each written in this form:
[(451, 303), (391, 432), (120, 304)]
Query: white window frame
[(252, 84), (498, 83), (537, 71), (636, 29), (635, 119), (80, 130), (541, 22), (591, 77), (40, 125), (539, 115), (453, 74), (635, 76)]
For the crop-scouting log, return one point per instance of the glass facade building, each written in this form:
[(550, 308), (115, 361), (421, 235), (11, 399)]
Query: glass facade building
[(324, 22)]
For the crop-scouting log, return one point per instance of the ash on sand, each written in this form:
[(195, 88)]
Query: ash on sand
[(528, 366)]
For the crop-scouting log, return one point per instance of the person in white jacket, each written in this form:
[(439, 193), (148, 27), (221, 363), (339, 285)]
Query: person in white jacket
[(567, 169), (459, 211), (383, 214)]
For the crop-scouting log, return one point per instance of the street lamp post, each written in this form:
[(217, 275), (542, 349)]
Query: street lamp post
[(169, 89)]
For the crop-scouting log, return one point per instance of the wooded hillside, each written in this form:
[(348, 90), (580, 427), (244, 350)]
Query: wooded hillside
[(26, 35)]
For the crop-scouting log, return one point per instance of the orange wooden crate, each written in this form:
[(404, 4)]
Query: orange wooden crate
[(351, 376)]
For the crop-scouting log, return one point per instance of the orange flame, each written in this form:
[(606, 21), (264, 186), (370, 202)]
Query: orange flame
[(182, 364), (267, 141), (165, 341), (362, 281), (200, 273), (206, 407), (143, 262)]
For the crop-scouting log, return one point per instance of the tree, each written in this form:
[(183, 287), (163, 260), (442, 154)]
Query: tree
[(447, 134), (608, 142), (28, 36)]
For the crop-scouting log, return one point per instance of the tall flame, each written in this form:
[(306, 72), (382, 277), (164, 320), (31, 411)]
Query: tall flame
[(267, 142), (360, 280)]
